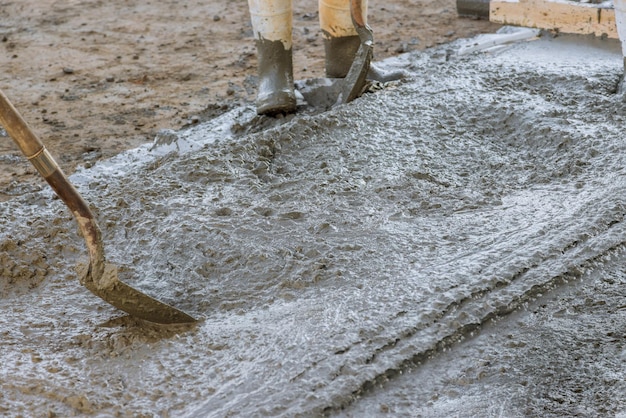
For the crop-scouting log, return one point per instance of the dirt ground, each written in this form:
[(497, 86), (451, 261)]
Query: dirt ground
[(94, 77)]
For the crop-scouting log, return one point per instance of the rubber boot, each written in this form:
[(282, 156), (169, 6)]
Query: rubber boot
[(341, 40), (272, 23), (473, 8)]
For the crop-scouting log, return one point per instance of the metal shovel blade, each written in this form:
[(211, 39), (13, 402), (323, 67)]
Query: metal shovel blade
[(354, 83), (131, 300), (100, 277)]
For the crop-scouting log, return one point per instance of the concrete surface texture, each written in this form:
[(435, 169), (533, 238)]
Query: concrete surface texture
[(448, 246)]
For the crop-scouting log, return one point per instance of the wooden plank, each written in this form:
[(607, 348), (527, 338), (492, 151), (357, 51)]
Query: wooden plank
[(561, 15)]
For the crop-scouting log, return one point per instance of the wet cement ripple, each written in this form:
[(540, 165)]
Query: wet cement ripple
[(326, 254)]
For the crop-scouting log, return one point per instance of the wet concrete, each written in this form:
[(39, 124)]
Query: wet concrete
[(354, 262), (562, 354)]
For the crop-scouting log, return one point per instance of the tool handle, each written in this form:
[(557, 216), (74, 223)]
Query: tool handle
[(18, 129), (32, 147), (25, 138), (358, 13)]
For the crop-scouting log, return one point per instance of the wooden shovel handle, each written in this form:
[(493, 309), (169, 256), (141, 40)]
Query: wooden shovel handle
[(358, 13), (32, 147), (18, 129)]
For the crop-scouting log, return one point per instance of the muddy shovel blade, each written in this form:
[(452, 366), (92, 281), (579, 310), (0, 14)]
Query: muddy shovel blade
[(131, 300), (354, 83), (100, 277)]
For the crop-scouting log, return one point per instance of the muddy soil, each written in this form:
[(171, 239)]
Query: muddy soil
[(94, 77)]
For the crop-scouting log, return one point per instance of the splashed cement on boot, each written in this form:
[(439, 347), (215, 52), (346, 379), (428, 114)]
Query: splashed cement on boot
[(275, 87), (329, 251)]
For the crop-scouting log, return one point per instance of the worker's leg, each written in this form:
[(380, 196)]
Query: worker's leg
[(271, 22), (341, 40)]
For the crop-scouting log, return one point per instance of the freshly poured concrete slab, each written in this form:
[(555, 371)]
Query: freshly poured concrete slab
[(330, 254)]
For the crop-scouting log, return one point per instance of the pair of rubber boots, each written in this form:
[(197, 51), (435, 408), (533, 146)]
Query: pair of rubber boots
[(275, 65)]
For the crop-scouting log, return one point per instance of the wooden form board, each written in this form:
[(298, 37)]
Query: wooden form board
[(562, 15)]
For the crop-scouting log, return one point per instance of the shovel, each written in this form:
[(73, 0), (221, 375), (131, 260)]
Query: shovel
[(355, 80), (99, 276), (328, 92)]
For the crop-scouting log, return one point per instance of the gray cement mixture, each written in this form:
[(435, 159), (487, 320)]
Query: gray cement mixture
[(449, 246)]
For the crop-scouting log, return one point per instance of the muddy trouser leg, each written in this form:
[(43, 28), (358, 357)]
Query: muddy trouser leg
[(272, 23), (341, 40)]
